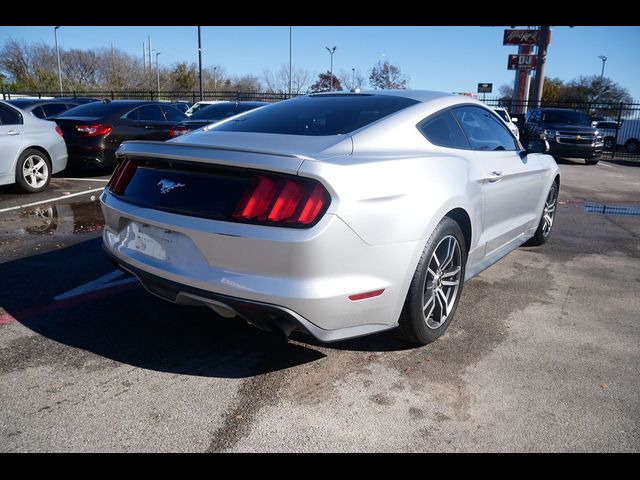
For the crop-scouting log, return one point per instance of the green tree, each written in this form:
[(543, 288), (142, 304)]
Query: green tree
[(385, 75), (184, 77)]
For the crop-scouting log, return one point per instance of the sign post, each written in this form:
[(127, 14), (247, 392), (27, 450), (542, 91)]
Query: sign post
[(522, 63), (485, 88)]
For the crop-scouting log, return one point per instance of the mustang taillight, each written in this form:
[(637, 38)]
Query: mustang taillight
[(94, 130), (122, 176), (287, 202)]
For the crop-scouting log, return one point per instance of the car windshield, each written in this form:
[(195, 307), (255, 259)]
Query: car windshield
[(569, 117), (92, 110), (328, 114)]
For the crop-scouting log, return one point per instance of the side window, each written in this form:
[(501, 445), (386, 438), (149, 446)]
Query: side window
[(484, 131), (8, 116), (443, 130), (38, 112), (150, 113), (173, 114), (53, 109)]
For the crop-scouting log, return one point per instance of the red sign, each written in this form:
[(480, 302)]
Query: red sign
[(522, 62), (520, 37)]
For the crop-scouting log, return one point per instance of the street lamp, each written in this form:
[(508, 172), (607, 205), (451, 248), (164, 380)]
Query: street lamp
[(200, 62), (290, 61), (158, 72), (331, 51), (215, 86), (55, 34), (604, 59), (353, 78)]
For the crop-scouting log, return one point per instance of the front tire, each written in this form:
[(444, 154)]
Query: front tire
[(33, 171), (548, 217), (591, 161), (436, 286)]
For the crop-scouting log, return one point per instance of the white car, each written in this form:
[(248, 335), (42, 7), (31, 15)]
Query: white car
[(336, 214), (506, 118), (31, 150), (629, 136), (199, 105)]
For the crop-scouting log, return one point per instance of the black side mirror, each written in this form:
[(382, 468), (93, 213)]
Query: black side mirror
[(537, 145)]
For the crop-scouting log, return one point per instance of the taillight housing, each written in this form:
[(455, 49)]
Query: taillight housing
[(121, 176), (95, 130), (282, 201), (177, 131), (59, 131)]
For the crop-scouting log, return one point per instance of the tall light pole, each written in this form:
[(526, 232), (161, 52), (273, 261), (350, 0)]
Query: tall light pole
[(290, 61), (353, 78), (200, 61), (215, 85), (55, 34), (604, 59), (331, 51), (158, 72)]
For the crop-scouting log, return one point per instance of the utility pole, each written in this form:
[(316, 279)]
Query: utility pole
[(331, 51), (55, 34), (158, 72), (200, 61), (144, 57), (290, 61), (215, 85), (150, 62), (543, 46)]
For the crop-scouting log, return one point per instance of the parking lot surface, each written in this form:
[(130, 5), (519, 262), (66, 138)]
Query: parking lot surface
[(543, 355)]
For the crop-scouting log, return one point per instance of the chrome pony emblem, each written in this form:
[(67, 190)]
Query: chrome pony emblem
[(167, 185)]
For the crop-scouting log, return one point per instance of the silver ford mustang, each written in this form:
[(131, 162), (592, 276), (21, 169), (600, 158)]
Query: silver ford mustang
[(339, 214)]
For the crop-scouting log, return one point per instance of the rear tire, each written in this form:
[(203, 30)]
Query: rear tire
[(33, 171), (436, 286), (591, 161), (547, 219), (632, 146)]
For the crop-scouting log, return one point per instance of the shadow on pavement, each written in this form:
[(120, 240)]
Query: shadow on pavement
[(128, 325)]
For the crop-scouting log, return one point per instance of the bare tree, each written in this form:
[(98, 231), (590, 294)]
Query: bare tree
[(279, 81), (347, 79)]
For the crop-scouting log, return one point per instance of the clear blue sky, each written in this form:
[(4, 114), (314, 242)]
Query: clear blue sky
[(435, 58)]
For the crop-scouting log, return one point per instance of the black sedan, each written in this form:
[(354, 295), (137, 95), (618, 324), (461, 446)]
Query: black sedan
[(94, 131), (44, 108), (213, 113)]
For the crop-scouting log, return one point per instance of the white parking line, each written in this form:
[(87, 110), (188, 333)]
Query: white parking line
[(605, 164), (52, 199)]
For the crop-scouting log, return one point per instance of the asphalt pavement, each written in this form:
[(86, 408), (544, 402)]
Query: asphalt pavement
[(543, 355)]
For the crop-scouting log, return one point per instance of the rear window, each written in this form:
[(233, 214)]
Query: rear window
[(318, 114), (92, 110)]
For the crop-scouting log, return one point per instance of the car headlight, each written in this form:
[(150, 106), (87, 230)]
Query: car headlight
[(550, 134)]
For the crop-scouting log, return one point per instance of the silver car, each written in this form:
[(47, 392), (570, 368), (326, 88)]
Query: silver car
[(31, 150), (339, 214), (508, 120)]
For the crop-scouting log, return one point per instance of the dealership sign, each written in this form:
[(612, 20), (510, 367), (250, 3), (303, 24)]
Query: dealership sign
[(521, 62), (485, 87), (520, 37)]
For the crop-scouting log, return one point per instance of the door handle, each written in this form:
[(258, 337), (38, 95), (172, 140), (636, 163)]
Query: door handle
[(495, 177), (13, 132), (148, 127)]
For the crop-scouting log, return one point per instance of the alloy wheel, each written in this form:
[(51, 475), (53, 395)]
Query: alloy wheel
[(35, 171)]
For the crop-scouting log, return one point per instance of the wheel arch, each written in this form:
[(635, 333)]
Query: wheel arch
[(462, 218)]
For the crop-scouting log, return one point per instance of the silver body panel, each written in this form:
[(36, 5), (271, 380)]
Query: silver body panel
[(389, 189), (32, 133)]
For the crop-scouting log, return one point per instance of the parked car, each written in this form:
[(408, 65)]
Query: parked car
[(80, 100), (94, 131), (181, 105), (213, 113), (609, 131), (44, 108), (569, 132), (32, 149), (509, 120), (198, 105), (337, 214), (629, 135)]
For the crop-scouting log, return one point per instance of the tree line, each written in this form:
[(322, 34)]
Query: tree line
[(33, 67)]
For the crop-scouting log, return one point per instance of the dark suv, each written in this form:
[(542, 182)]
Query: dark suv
[(569, 133)]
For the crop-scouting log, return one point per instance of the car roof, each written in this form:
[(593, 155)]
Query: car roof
[(418, 95), (29, 102)]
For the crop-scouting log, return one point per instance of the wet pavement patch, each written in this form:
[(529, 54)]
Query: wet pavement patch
[(611, 209)]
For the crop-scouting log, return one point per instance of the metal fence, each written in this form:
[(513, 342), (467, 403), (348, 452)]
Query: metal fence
[(190, 96), (619, 123)]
